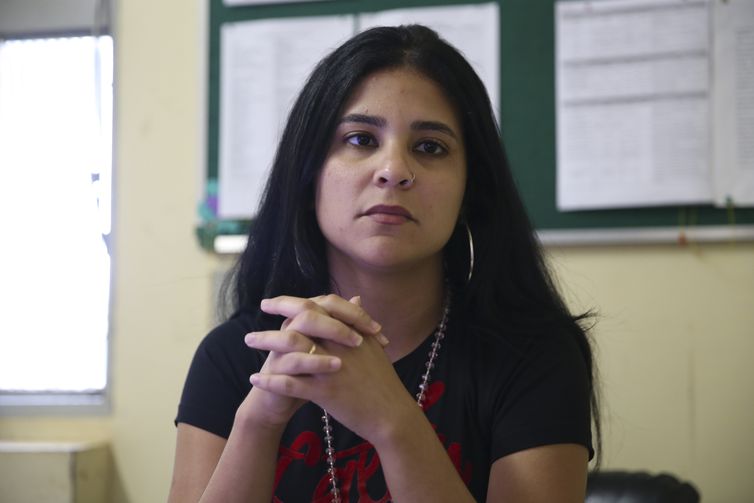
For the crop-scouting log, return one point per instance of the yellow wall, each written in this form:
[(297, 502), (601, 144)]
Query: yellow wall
[(675, 334), (675, 342), (163, 281)]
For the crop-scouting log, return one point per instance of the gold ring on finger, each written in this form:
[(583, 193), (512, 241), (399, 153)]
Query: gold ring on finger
[(313, 349)]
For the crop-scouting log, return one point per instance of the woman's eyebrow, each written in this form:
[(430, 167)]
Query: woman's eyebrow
[(433, 126), (377, 121), (372, 120)]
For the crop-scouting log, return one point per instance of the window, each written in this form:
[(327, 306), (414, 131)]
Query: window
[(55, 185)]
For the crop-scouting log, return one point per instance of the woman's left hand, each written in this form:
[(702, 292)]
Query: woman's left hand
[(365, 394)]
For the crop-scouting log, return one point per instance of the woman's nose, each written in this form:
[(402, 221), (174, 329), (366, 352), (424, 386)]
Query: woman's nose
[(394, 172)]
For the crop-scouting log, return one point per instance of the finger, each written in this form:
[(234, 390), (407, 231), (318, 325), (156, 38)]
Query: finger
[(299, 364), (319, 325), (305, 311), (379, 336), (282, 341), (292, 386), (349, 312), (305, 364), (289, 306)]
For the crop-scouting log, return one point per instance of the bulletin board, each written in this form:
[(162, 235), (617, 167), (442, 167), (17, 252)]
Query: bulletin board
[(527, 120)]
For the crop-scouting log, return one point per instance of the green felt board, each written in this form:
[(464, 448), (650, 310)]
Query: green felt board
[(527, 115)]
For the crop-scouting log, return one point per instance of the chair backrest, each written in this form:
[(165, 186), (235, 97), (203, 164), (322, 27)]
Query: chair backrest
[(638, 487)]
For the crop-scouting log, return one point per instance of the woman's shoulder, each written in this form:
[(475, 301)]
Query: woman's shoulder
[(522, 382), (228, 336), (223, 353), (507, 350), (218, 378), (237, 325)]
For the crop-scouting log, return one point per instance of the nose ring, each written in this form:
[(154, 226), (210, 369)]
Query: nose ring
[(409, 182)]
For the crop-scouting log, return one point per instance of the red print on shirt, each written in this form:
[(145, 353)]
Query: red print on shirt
[(359, 463)]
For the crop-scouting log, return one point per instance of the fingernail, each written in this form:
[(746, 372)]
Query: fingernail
[(254, 379), (382, 339), (357, 339), (335, 363), (264, 303), (376, 327), (250, 338), (357, 300)]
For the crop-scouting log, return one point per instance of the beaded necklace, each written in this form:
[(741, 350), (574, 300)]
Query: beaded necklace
[(420, 395)]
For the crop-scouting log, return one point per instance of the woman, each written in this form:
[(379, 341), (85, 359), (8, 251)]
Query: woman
[(391, 263)]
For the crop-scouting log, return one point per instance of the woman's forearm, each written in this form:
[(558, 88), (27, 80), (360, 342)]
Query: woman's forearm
[(415, 464), (246, 469)]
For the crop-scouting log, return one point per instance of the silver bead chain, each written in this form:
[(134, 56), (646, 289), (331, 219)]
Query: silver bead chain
[(420, 396)]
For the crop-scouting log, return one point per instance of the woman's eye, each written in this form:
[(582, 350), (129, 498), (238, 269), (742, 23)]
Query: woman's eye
[(431, 147), (361, 140)]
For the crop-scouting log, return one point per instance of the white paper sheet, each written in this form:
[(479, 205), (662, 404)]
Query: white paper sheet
[(733, 86), (264, 64), (472, 29), (633, 103)]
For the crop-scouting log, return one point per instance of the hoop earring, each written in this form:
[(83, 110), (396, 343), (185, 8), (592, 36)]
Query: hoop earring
[(305, 271), (298, 259), (408, 182), (471, 252)]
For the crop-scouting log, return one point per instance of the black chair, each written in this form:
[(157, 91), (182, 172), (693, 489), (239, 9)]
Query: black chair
[(638, 487)]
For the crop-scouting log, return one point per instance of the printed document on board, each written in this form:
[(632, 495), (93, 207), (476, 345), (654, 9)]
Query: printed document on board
[(472, 29), (733, 85), (263, 66), (633, 103)]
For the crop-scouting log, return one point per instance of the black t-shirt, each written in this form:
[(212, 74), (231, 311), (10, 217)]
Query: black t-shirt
[(489, 396)]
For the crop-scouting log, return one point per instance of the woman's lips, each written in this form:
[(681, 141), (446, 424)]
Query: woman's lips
[(389, 214)]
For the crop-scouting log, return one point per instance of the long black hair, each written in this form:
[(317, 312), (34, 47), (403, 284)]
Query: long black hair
[(511, 289)]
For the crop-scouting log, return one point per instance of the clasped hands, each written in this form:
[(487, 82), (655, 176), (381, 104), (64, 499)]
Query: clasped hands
[(328, 351)]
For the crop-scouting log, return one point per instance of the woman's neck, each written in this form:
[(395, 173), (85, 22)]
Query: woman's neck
[(408, 303)]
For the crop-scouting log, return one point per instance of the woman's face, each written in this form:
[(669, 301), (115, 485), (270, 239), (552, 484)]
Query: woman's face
[(397, 125)]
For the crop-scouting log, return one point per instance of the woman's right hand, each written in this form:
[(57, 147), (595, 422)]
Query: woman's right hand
[(293, 351)]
